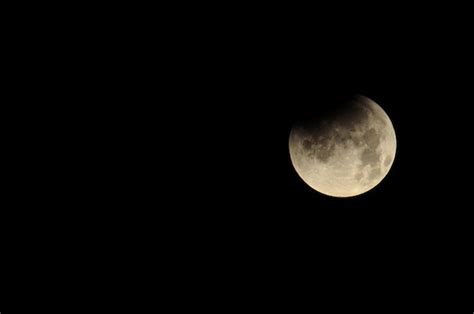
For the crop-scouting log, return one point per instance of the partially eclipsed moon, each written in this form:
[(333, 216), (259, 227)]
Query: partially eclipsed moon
[(346, 152)]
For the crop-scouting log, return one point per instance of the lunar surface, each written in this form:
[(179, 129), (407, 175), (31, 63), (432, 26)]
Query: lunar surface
[(345, 152)]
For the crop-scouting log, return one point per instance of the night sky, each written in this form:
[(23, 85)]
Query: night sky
[(164, 141), (254, 200)]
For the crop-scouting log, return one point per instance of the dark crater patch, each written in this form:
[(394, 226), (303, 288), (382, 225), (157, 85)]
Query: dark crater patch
[(387, 161), (370, 157), (372, 138), (323, 153), (320, 147), (308, 145)]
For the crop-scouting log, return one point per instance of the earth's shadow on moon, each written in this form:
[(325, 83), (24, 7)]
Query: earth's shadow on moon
[(337, 120), (327, 106)]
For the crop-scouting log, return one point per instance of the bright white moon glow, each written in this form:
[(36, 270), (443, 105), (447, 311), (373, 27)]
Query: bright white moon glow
[(346, 153)]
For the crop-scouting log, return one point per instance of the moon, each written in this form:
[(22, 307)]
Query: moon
[(346, 151)]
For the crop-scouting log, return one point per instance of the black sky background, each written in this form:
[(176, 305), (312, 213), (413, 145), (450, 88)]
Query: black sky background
[(246, 94), (164, 141)]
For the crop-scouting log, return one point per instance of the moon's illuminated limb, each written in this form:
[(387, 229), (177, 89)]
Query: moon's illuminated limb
[(346, 154)]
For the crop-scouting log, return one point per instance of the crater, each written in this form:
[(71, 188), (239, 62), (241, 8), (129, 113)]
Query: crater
[(324, 152), (343, 137), (320, 145), (307, 145), (369, 157), (388, 161), (372, 138)]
